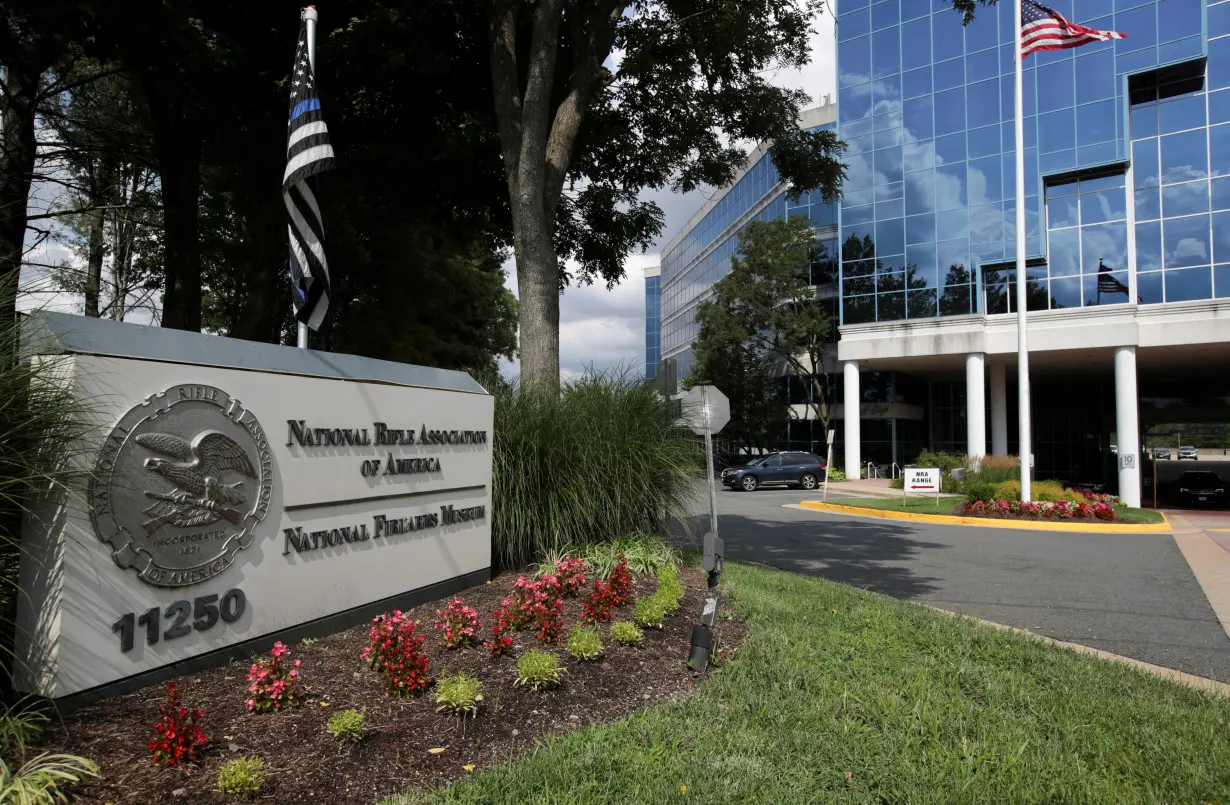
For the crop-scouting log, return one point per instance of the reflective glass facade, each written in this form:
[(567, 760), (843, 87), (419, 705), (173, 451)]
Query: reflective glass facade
[(653, 320), (701, 255), (928, 218)]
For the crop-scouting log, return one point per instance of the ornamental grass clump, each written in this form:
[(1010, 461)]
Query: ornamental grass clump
[(397, 653), (457, 624), (177, 738), (347, 726), (459, 694), (242, 777), (585, 644), (274, 681), (578, 463), (626, 633), (539, 671)]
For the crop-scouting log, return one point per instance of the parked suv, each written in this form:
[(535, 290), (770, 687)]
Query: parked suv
[(1202, 486), (1189, 452), (804, 470)]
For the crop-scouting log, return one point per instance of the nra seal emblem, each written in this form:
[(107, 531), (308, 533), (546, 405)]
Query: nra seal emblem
[(180, 484)]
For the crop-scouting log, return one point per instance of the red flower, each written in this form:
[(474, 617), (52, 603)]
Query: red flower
[(275, 682), (177, 734), (396, 652)]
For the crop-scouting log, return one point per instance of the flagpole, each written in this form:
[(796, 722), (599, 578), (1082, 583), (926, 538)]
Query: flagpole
[(309, 15), (1022, 348)]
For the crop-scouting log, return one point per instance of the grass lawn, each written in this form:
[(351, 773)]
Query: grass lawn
[(841, 695), (928, 505)]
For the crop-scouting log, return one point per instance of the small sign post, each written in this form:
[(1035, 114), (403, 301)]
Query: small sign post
[(921, 480), (828, 462), (706, 410)]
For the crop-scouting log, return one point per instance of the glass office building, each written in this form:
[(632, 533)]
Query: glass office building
[(653, 321), (1127, 201), (699, 255)]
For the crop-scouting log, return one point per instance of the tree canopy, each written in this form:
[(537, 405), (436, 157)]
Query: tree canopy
[(598, 100), (766, 315), (416, 218)]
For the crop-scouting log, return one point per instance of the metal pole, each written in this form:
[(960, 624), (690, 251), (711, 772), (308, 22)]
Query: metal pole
[(1022, 347), (309, 15), (713, 518)]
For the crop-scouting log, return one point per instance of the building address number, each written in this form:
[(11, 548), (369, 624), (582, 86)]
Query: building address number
[(181, 617)]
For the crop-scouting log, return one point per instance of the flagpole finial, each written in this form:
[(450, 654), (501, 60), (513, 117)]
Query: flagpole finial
[(308, 13)]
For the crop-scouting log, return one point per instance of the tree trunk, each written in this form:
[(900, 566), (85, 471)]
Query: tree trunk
[(177, 142), (17, 153), (95, 250), (538, 288)]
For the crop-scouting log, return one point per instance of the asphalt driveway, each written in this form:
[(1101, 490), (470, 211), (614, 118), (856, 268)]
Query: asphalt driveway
[(1130, 594)]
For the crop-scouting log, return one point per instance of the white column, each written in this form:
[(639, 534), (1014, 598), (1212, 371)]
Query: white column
[(999, 409), (1127, 425), (852, 397), (975, 405)]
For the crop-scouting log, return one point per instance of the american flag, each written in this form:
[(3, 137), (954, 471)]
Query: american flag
[(1045, 28), (308, 153)]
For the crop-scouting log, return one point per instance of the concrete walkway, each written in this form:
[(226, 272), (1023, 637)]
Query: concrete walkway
[(1202, 539)]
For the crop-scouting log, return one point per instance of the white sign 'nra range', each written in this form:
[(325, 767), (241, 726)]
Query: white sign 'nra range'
[(227, 504), (927, 480)]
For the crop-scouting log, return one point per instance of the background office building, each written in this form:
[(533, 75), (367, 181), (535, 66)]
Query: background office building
[(1127, 158), (653, 317)]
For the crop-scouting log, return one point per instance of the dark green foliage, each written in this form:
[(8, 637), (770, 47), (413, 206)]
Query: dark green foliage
[(941, 460), (980, 490), (598, 460), (763, 314)]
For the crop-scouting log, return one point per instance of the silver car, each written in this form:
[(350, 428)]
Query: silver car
[(1160, 453), (1189, 452)]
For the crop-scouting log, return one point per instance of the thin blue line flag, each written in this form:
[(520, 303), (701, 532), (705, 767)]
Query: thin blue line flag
[(308, 153)]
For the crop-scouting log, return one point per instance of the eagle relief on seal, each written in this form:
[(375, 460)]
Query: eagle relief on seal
[(180, 484)]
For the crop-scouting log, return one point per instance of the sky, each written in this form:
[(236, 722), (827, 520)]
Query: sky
[(605, 330)]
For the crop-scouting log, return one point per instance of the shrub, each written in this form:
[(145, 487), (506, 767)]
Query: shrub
[(574, 465), (1008, 490), (1053, 492), (980, 491), (600, 603), (835, 474), (396, 652), (347, 726), (459, 694), (626, 633), (500, 642), (274, 682), (939, 460), (539, 670), (242, 777), (177, 733), (573, 574), (620, 582), (584, 643), (457, 624), (539, 604), (650, 613), (670, 589), (641, 554)]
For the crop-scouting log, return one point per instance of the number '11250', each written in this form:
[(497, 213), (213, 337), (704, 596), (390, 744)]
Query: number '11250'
[(205, 611)]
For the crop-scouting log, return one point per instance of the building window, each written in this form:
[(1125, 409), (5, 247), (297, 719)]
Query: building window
[(1182, 203)]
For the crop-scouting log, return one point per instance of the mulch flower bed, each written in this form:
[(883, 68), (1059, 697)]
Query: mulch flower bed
[(307, 765)]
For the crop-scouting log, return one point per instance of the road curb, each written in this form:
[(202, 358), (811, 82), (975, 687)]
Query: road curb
[(981, 522), (1204, 684)]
